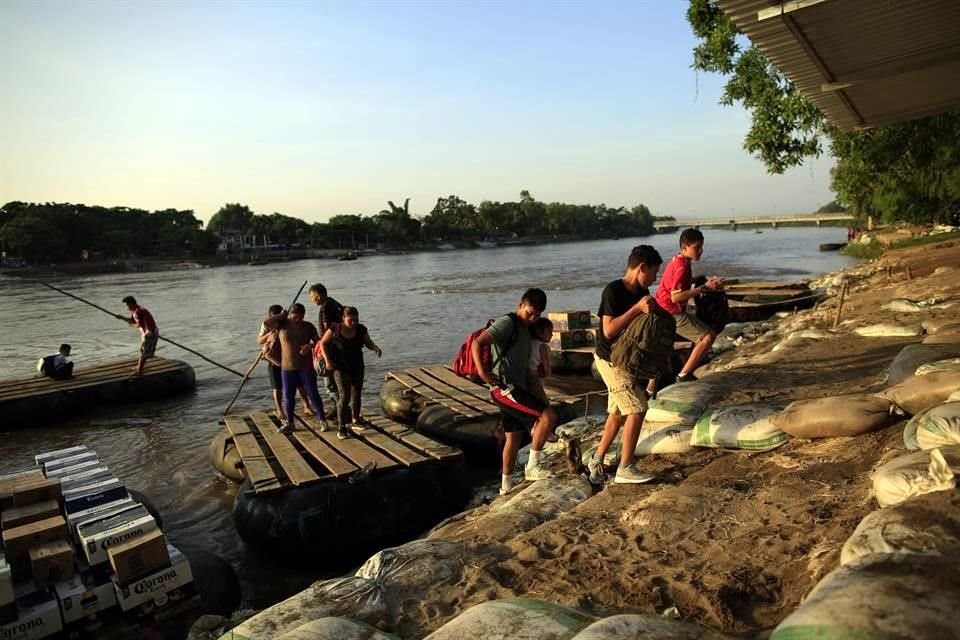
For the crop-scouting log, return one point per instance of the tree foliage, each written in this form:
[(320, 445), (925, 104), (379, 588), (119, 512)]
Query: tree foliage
[(908, 171)]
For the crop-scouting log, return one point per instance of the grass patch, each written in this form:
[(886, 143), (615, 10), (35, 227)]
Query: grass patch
[(921, 240), (873, 249), (867, 251)]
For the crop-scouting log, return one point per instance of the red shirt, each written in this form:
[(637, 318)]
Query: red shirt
[(678, 276), (144, 319)]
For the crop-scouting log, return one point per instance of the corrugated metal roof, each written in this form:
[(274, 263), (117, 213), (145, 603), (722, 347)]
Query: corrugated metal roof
[(865, 63)]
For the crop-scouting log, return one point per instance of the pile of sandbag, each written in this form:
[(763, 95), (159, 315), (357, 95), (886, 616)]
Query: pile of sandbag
[(911, 357), (889, 330), (916, 393), (683, 403), (659, 438), (336, 629), (916, 474), (950, 364), (747, 426), (837, 416), (937, 426)]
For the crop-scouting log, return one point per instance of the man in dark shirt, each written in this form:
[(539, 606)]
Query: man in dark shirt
[(331, 313), (622, 301)]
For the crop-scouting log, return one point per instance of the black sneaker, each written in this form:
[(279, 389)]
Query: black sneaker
[(343, 433), (687, 377)]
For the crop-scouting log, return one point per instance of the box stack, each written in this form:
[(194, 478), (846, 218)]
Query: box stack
[(572, 330), (77, 549)]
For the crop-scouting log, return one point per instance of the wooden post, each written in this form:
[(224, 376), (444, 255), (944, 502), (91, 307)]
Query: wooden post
[(843, 294), (909, 273)]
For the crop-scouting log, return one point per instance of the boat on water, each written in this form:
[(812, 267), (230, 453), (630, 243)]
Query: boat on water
[(26, 402), (257, 261), (486, 244), (750, 302), (832, 246), (350, 255)]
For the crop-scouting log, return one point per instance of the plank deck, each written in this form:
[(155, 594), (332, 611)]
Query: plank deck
[(289, 458), (430, 392), (337, 465), (476, 390), (394, 448), (416, 440), (255, 464), (83, 378), (355, 450)]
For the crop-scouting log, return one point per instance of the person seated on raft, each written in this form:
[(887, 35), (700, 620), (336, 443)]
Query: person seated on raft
[(56, 365)]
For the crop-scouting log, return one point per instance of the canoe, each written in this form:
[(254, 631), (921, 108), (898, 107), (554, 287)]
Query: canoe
[(26, 402), (747, 311), (832, 246)]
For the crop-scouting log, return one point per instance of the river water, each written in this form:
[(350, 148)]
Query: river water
[(418, 307)]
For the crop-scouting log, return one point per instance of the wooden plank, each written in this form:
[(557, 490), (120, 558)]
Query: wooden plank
[(382, 441), (478, 391), (86, 371), (355, 450), (430, 393), (289, 458), (255, 464), (416, 440), (33, 387), (330, 459), (452, 392)]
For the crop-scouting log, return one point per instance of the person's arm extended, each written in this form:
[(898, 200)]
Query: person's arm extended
[(712, 284), (325, 348), (128, 319), (368, 343), (614, 326), (545, 359), (275, 322), (265, 338), (484, 340)]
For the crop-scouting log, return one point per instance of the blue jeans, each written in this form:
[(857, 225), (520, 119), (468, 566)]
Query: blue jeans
[(292, 380)]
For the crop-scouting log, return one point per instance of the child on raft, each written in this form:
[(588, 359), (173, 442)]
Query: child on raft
[(538, 367)]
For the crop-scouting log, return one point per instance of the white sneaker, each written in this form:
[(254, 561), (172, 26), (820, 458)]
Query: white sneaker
[(597, 474), (324, 426), (631, 475), (504, 492), (538, 472)]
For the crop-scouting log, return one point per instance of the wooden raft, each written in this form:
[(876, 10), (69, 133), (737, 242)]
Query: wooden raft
[(85, 376), (468, 399), (274, 461)]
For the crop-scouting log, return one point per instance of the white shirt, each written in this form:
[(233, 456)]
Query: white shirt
[(534, 362)]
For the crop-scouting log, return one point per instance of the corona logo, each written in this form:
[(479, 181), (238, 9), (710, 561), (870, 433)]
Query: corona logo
[(123, 537), (150, 584), (22, 628)]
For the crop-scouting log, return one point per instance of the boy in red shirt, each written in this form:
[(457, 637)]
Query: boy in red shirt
[(676, 290), (143, 320)]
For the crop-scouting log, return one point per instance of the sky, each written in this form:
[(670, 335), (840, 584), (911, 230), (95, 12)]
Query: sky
[(315, 109)]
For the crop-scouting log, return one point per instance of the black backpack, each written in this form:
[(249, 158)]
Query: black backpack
[(645, 346)]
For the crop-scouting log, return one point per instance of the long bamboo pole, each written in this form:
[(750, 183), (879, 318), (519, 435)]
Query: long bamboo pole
[(174, 343)]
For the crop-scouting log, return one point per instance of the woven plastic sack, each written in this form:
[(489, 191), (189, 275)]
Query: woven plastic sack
[(916, 474), (656, 438), (336, 629), (745, 426), (646, 627), (917, 393), (935, 427), (912, 356), (682, 403), (889, 330), (837, 416), (514, 619), (950, 364)]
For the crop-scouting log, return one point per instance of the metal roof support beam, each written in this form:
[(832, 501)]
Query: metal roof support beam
[(786, 7), (895, 68)]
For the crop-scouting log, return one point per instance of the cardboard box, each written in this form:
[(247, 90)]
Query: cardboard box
[(51, 562), (74, 468), (83, 595), (85, 477), (35, 621), (69, 461), (32, 490), (95, 513), (8, 610), (8, 481), (157, 585), (569, 320), (43, 458), (94, 494), (574, 339), (95, 544), (19, 516), (138, 557), (18, 540)]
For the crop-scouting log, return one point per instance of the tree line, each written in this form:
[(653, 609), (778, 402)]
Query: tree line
[(64, 232), (903, 172)]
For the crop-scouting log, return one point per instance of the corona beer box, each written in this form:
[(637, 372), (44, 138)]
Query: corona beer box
[(8, 610), (68, 461), (141, 556), (82, 596), (38, 617), (96, 513), (18, 516), (157, 585), (99, 536), (51, 562), (84, 477), (18, 540), (32, 490), (74, 468), (48, 456), (92, 495), (569, 320), (574, 339)]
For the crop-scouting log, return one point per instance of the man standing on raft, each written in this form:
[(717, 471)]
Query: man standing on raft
[(143, 320)]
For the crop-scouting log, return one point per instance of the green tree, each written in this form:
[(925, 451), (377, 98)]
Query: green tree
[(232, 217)]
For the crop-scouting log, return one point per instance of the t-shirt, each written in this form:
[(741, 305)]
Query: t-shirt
[(615, 301), (270, 348), (144, 320), (292, 337), (331, 312), (512, 366), (347, 353), (677, 276), (534, 362)]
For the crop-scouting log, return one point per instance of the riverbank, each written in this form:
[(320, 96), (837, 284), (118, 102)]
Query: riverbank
[(730, 540)]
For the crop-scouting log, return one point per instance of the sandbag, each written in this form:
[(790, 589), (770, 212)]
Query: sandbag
[(514, 619), (916, 474), (889, 330), (350, 597), (645, 627), (336, 629), (943, 338), (682, 403), (928, 525), (838, 416), (903, 305), (950, 364), (938, 426), (954, 397), (946, 325), (916, 393), (912, 356), (880, 597), (658, 438), (746, 426)]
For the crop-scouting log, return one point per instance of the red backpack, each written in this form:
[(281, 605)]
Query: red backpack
[(463, 364)]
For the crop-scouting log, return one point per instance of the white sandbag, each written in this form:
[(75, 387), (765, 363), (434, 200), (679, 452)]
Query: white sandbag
[(746, 426), (910, 358), (950, 364), (582, 427), (904, 305), (514, 619), (948, 337), (916, 393), (938, 426), (682, 403), (351, 597), (942, 324), (880, 597), (837, 416), (645, 627), (915, 474), (657, 438), (954, 397), (889, 330), (415, 564), (926, 525), (336, 629)]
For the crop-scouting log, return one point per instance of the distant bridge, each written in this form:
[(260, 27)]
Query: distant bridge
[(815, 219)]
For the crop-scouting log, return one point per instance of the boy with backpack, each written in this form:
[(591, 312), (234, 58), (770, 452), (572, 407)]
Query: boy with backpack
[(621, 302), (508, 340), (57, 366)]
